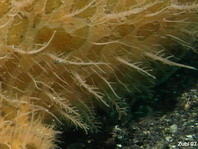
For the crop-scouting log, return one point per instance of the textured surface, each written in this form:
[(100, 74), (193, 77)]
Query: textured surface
[(61, 57)]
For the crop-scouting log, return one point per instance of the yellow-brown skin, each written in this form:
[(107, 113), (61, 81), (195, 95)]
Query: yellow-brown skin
[(61, 57)]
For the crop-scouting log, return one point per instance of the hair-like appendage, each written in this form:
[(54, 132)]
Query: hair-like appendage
[(60, 58), (22, 127)]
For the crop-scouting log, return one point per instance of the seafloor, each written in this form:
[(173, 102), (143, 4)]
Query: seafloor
[(166, 119)]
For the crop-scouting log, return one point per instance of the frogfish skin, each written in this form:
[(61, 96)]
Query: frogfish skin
[(61, 58)]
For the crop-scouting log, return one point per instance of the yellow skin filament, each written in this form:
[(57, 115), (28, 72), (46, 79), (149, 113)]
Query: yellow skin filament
[(59, 58)]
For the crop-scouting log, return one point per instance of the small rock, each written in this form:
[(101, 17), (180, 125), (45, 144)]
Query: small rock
[(173, 128), (168, 138)]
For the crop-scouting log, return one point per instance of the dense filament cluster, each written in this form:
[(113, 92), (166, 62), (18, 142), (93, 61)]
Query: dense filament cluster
[(60, 58)]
